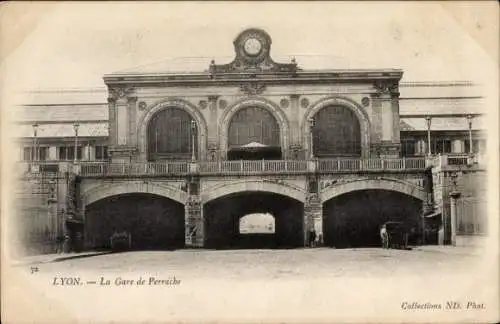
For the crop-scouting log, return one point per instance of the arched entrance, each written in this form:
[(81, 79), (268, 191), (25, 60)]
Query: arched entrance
[(223, 217), (153, 221), (254, 134), (353, 219), (336, 132), (172, 134)]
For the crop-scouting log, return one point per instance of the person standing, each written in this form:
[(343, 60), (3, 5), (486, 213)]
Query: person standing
[(384, 236), (312, 237)]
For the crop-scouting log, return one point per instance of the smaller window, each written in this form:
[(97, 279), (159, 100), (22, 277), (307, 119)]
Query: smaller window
[(101, 152), (28, 154), (67, 153), (39, 153)]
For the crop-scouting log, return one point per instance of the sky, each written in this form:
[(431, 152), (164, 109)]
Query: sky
[(72, 45)]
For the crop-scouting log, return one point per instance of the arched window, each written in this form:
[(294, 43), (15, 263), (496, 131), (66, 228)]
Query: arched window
[(257, 224), (336, 133), (253, 124), (172, 133)]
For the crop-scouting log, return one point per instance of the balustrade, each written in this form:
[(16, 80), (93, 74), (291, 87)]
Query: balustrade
[(246, 167)]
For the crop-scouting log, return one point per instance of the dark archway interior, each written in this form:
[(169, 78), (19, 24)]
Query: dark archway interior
[(353, 219), (154, 222), (266, 153), (222, 217)]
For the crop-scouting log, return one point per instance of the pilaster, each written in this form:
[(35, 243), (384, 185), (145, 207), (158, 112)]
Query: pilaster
[(295, 133), (385, 119), (194, 229), (52, 153), (313, 212), (212, 136), (132, 116)]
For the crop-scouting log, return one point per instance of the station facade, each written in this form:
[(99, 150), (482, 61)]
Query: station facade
[(178, 159)]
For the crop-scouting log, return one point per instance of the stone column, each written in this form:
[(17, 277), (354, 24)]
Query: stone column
[(313, 212), (86, 152), (457, 146), (121, 110), (385, 118), (194, 228), (194, 225), (295, 133), (112, 121), (52, 153), (122, 148), (454, 195), (213, 134), (313, 219), (131, 121)]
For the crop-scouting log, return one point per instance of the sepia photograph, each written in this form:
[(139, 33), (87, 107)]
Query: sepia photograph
[(249, 162)]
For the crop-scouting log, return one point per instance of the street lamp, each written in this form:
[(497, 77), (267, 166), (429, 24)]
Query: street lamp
[(429, 121), (469, 120), (311, 127), (193, 128), (35, 149), (75, 126)]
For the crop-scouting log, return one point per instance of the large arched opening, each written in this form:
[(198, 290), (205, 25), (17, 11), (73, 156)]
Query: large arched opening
[(172, 134), (223, 217), (353, 219), (153, 222), (336, 132), (254, 134)]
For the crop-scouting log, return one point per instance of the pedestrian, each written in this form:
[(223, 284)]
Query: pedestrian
[(312, 237), (59, 243), (384, 236)]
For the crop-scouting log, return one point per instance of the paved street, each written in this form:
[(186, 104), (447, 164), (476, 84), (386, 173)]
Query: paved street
[(248, 285), (272, 264)]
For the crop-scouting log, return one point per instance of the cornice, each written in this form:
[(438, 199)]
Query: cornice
[(204, 79)]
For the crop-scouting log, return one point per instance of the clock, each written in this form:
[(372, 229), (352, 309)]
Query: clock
[(252, 46)]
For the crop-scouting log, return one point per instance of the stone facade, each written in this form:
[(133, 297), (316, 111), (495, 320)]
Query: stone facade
[(293, 97)]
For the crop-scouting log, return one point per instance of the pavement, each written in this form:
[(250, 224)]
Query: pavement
[(448, 249), (58, 257), (55, 257)]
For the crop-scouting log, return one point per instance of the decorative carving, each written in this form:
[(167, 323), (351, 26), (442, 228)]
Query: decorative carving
[(312, 199), (142, 105), (252, 89), (193, 204), (284, 103), (252, 48), (222, 104), (365, 101), (390, 87), (117, 93), (329, 183), (295, 150), (203, 104), (304, 103)]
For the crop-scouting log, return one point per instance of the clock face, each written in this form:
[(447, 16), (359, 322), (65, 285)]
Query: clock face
[(252, 46)]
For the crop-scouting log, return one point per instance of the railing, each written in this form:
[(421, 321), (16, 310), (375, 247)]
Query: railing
[(340, 165), (253, 167), (459, 159), (245, 167), (150, 168)]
